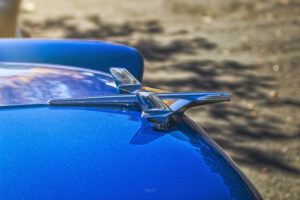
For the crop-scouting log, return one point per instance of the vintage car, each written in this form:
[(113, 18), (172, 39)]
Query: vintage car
[(76, 123)]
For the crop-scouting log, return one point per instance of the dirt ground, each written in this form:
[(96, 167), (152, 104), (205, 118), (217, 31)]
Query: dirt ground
[(250, 49)]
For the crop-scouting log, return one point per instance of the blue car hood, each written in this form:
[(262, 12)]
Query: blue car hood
[(92, 153)]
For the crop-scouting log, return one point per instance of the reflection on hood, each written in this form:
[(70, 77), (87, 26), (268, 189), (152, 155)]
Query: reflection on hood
[(22, 84)]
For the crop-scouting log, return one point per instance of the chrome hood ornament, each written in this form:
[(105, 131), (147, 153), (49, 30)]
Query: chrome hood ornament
[(157, 106)]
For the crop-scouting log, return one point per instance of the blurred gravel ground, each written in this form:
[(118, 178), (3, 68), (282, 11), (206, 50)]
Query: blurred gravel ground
[(250, 49)]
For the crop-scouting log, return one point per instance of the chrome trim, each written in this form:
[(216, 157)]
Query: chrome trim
[(183, 101), (157, 108), (125, 81), (154, 110)]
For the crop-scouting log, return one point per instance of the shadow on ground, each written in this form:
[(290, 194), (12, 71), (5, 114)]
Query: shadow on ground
[(238, 126)]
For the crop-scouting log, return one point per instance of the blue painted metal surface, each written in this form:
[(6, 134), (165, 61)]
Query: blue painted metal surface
[(37, 83), (81, 53), (89, 153)]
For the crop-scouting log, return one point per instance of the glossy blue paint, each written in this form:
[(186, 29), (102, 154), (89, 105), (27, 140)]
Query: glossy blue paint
[(90, 153), (71, 153), (37, 83), (81, 53)]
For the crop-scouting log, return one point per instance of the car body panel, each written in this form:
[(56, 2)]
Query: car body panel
[(23, 84), (91, 153), (80, 53), (84, 153)]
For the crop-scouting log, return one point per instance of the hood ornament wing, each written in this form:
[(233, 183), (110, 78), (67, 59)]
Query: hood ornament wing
[(125, 81), (157, 106)]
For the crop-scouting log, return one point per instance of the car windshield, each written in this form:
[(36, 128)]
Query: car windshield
[(24, 84)]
